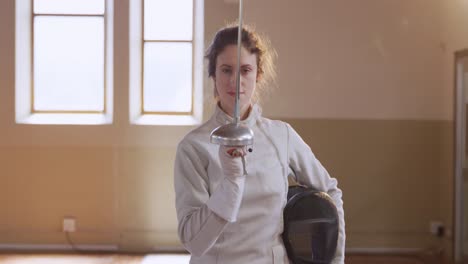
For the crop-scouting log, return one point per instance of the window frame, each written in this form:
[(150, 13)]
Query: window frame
[(140, 116), (26, 113)]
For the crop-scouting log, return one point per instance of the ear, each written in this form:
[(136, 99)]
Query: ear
[(215, 90), (214, 81)]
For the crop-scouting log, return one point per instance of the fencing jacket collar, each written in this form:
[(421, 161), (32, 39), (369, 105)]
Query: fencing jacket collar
[(222, 118)]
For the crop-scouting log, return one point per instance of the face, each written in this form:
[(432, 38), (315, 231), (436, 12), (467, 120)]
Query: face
[(225, 78)]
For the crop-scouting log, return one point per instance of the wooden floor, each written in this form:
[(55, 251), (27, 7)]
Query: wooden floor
[(183, 259)]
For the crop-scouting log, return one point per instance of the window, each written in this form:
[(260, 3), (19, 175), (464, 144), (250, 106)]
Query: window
[(64, 61), (166, 62)]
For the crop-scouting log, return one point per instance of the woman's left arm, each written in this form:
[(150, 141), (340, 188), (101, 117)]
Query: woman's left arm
[(310, 172)]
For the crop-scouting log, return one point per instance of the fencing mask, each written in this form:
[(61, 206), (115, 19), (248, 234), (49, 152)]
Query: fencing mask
[(310, 226)]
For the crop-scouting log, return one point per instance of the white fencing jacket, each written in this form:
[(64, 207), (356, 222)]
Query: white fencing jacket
[(224, 221)]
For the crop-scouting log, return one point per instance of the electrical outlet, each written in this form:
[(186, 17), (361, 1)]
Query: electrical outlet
[(69, 224), (436, 228)]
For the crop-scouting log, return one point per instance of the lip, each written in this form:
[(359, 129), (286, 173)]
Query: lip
[(234, 93)]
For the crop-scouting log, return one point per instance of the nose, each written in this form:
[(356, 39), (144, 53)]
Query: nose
[(232, 80)]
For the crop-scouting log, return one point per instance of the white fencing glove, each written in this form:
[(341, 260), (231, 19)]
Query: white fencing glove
[(225, 201), (232, 163)]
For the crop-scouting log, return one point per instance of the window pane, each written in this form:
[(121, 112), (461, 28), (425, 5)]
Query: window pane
[(168, 77), (69, 63), (168, 20), (90, 7)]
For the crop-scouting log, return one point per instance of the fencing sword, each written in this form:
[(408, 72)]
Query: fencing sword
[(235, 134)]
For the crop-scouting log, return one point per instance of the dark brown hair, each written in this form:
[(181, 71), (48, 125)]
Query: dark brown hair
[(252, 42)]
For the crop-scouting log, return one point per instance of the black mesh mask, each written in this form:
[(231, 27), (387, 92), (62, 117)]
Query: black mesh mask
[(310, 226)]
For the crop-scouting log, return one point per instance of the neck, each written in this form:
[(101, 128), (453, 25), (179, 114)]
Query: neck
[(244, 113)]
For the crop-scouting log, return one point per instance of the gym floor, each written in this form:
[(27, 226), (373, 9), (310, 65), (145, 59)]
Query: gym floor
[(52, 258)]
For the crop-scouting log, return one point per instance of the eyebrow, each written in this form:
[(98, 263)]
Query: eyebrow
[(243, 65)]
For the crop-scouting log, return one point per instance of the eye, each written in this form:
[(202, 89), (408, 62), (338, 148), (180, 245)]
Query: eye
[(246, 70), (225, 70)]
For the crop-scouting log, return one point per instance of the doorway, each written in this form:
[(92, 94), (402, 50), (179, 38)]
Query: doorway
[(461, 156)]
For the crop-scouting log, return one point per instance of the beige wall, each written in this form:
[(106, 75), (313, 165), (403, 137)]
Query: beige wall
[(367, 83), (356, 59), (388, 171)]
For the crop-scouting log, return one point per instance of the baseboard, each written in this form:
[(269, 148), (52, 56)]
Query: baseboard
[(384, 250), (423, 255)]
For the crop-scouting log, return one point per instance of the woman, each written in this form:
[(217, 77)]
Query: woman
[(227, 214)]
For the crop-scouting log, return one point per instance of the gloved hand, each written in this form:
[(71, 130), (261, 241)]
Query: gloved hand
[(226, 199), (231, 161)]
